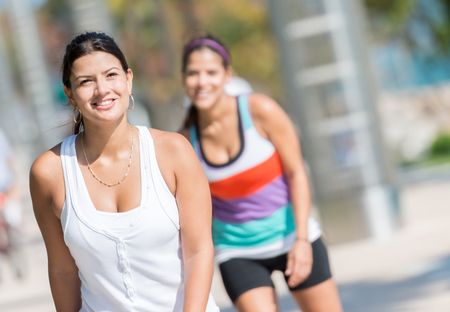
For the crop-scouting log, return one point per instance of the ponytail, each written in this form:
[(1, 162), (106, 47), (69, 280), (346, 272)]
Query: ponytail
[(191, 117), (79, 124)]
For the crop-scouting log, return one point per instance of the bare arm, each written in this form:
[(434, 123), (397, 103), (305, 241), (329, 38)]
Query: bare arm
[(279, 129), (194, 205), (46, 185)]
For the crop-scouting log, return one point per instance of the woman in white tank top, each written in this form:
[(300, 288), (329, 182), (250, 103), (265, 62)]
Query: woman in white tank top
[(124, 211)]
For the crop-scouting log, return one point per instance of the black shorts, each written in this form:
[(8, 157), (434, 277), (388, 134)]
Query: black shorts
[(242, 274)]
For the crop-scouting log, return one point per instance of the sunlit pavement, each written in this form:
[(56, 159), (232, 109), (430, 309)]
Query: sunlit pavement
[(409, 271), (33, 292)]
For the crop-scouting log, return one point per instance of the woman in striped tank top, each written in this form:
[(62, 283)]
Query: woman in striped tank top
[(251, 155)]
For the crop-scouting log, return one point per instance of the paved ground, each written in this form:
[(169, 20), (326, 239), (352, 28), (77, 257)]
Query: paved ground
[(410, 271)]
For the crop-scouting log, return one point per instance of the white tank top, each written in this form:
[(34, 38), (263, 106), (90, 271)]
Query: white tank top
[(130, 261)]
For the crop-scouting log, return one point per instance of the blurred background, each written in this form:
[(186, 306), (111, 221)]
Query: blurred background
[(367, 83)]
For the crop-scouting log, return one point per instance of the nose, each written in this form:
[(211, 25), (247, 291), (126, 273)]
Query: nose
[(202, 79), (102, 87)]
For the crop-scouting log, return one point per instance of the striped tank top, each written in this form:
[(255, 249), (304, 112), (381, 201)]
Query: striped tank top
[(252, 210)]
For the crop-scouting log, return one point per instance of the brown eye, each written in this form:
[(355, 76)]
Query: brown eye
[(190, 73), (84, 82)]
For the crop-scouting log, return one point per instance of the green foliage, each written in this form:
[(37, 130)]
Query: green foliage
[(243, 26), (138, 21), (438, 154), (152, 33), (398, 19), (57, 10), (440, 145)]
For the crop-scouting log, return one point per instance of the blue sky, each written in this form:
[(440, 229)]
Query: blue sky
[(36, 3)]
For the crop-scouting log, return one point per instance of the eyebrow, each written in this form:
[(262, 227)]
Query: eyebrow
[(103, 72)]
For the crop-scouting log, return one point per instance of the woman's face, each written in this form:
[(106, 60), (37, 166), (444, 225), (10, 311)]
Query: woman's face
[(100, 88), (205, 78)]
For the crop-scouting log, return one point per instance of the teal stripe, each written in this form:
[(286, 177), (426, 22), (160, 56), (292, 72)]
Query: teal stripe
[(193, 136), (244, 112), (256, 232)]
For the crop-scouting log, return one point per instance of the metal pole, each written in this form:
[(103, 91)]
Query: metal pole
[(332, 98), (33, 70)]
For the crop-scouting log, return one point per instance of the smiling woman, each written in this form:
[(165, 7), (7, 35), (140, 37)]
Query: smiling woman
[(251, 155), (115, 202)]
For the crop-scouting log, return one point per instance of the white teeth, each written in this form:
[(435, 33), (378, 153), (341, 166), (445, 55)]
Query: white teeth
[(107, 102)]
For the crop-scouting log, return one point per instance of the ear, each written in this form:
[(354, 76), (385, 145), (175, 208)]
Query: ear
[(228, 74), (69, 95), (129, 75), (183, 80)]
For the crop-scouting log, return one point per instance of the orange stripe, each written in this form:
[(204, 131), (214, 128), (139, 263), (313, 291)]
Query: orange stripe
[(248, 181)]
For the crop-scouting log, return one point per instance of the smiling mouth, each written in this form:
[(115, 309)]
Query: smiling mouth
[(202, 94), (103, 103)]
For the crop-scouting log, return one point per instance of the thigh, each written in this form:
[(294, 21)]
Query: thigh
[(261, 299), (318, 292), (241, 275), (322, 297)]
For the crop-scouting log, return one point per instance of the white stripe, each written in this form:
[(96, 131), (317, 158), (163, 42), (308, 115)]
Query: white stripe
[(256, 151), (267, 251)]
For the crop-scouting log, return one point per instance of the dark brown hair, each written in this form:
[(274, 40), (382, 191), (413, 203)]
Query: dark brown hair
[(197, 43), (84, 44)]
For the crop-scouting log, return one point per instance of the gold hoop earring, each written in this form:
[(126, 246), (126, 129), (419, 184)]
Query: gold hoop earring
[(75, 115), (131, 105)]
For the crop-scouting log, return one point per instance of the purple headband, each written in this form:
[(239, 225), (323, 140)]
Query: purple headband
[(210, 43)]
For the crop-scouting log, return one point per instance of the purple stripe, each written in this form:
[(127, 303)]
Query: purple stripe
[(260, 204)]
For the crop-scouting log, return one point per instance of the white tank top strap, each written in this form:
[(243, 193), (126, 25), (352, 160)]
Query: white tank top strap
[(163, 194), (66, 153)]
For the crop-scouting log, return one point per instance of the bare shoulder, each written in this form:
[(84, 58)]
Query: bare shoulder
[(47, 165), (169, 143), (174, 155), (184, 132), (262, 106), (47, 179), (267, 113), (172, 149)]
